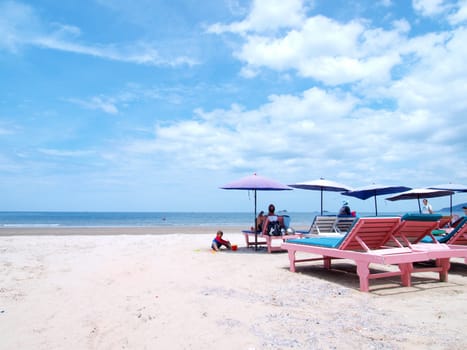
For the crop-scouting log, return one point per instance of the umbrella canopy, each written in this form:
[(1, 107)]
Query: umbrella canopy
[(256, 183), (375, 190), (418, 193), (450, 187), (321, 185)]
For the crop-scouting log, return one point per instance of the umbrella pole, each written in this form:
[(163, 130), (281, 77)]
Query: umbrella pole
[(450, 202), (321, 201), (419, 207), (376, 206), (254, 228)]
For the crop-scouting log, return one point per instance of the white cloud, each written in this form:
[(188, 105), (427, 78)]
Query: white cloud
[(65, 153), (429, 8), (460, 14), (266, 15), (437, 81), (18, 23), (328, 51), (22, 27), (97, 103)]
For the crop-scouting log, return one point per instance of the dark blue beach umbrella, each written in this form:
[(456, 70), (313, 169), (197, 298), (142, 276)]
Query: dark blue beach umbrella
[(373, 191), (256, 183), (321, 185), (450, 187), (417, 193)]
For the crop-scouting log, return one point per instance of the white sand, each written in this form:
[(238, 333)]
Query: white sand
[(171, 292)]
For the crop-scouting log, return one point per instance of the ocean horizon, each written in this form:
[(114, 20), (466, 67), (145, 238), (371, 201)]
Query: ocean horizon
[(150, 219)]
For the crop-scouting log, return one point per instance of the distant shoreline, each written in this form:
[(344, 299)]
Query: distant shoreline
[(110, 231)]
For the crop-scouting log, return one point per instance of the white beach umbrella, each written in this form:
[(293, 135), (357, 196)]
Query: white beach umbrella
[(450, 187), (418, 193)]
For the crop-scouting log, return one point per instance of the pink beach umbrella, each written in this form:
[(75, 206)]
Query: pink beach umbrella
[(256, 183)]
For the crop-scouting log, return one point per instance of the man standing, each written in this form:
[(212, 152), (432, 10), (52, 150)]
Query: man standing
[(426, 209)]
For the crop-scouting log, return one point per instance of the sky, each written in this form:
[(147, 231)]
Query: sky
[(153, 105)]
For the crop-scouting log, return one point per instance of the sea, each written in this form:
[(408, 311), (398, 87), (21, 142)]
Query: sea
[(134, 219), (146, 219)]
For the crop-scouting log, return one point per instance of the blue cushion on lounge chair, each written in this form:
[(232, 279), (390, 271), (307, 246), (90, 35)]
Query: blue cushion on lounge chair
[(422, 217), (428, 239), (445, 238), (329, 242)]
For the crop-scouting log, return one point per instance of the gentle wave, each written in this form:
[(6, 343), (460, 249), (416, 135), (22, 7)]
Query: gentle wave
[(30, 225), (145, 219)]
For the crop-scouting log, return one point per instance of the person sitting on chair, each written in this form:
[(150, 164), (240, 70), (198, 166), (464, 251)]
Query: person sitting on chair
[(345, 209), (260, 221), (272, 218)]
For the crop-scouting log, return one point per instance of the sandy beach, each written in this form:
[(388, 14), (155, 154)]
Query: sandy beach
[(163, 288)]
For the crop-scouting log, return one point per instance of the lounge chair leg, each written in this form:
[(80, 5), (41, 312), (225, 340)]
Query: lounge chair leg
[(327, 262), (445, 265), (363, 272), (292, 259), (406, 274)]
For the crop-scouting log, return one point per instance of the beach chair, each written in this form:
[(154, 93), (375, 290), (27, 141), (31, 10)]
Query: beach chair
[(449, 237), (459, 237), (412, 228), (251, 240), (267, 240), (415, 232), (343, 224), (453, 244), (363, 244), (271, 239), (444, 221), (322, 224), (444, 226)]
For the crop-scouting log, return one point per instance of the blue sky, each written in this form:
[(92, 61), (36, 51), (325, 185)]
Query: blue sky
[(153, 105)]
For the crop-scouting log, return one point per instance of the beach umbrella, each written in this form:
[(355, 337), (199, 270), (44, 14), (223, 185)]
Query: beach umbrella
[(373, 191), (418, 193), (256, 183), (450, 187), (321, 185)]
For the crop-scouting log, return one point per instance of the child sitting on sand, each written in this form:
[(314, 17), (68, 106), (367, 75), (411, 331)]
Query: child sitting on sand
[(218, 242)]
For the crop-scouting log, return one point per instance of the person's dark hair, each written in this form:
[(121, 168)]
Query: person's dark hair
[(271, 208)]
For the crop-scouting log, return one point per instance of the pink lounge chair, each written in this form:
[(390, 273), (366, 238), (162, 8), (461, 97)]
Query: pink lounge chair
[(460, 237), (250, 238), (411, 230), (266, 239), (284, 237), (445, 220), (441, 248), (364, 245)]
